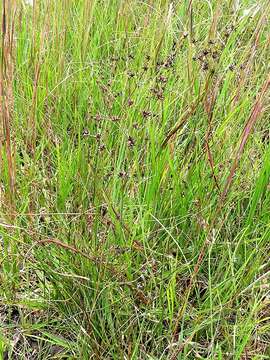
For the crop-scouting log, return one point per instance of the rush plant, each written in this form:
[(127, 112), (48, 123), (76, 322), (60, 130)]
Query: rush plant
[(134, 143)]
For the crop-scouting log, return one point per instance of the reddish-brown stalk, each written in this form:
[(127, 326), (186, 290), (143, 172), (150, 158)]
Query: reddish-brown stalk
[(6, 93)]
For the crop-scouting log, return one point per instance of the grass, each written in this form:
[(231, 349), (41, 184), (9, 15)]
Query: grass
[(135, 180)]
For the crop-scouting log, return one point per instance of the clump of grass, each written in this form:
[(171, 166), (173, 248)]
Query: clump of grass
[(134, 180)]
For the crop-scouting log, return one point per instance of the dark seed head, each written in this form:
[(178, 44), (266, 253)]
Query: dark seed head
[(131, 74), (146, 113), (214, 54), (154, 90), (103, 210), (130, 102), (162, 79), (115, 118), (160, 95), (131, 142), (86, 132), (97, 117), (242, 66), (205, 66), (205, 52), (122, 174)]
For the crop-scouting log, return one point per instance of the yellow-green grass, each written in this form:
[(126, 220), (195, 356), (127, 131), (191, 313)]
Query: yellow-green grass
[(135, 179)]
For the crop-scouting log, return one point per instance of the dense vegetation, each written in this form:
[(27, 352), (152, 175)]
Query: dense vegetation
[(135, 166)]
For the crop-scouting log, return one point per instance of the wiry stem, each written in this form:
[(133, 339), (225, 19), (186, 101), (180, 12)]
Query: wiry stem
[(6, 94)]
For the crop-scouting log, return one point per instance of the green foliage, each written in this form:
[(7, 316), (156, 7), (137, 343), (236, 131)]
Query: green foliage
[(119, 241)]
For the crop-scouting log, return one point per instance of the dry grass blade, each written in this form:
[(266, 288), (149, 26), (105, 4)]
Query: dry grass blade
[(209, 104), (31, 120), (255, 113), (6, 92), (68, 247), (96, 260), (250, 56), (187, 114), (216, 16)]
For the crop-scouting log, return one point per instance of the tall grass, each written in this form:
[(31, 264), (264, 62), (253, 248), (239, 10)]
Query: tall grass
[(135, 179)]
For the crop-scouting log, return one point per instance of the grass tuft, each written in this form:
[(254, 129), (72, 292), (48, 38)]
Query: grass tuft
[(134, 182)]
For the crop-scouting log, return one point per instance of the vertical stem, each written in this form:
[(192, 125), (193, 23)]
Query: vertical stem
[(6, 94)]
